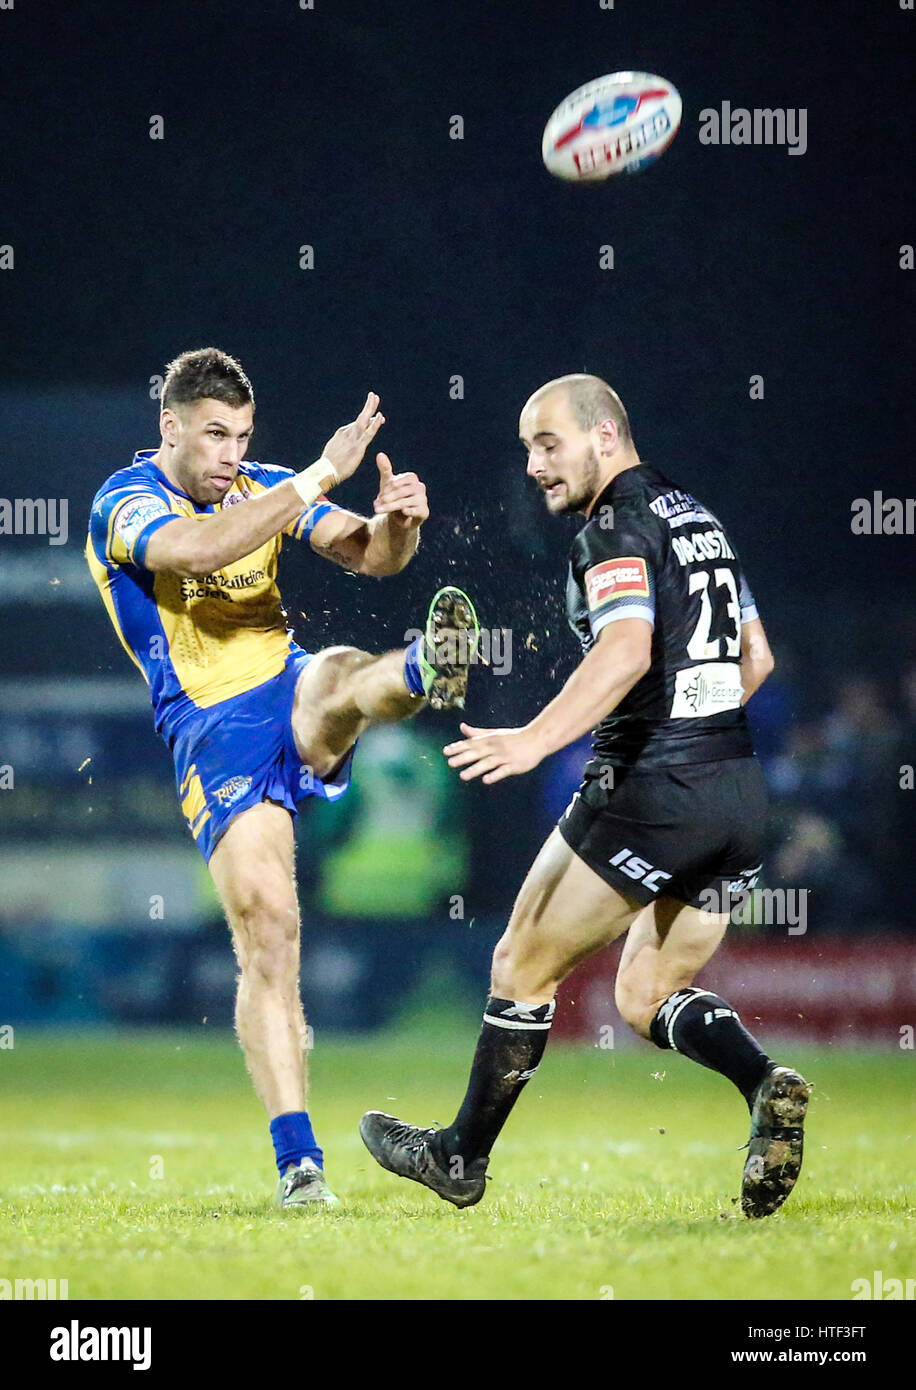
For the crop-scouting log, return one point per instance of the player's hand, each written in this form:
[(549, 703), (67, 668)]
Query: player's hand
[(401, 496), (347, 445), (493, 753)]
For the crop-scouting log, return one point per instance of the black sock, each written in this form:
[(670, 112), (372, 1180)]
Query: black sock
[(707, 1030), (510, 1046)]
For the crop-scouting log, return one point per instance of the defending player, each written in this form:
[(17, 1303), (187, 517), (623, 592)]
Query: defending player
[(183, 544), (668, 822)]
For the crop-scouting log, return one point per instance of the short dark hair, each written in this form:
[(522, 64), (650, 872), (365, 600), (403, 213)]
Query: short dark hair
[(206, 374)]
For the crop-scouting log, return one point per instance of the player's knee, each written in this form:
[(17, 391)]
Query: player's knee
[(329, 675), (271, 960), (266, 928), (515, 974), (326, 713), (636, 1007)]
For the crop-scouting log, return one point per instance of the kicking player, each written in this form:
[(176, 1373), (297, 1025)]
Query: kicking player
[(668, 822), (183, 545)]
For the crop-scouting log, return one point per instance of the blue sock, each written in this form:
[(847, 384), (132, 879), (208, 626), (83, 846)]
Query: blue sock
[(412, 678), (294, 1140)]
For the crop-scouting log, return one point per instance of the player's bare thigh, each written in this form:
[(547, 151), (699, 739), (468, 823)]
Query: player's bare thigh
[(564, 912), (325, 724), (253, 870), (668, 944), (339, 694)]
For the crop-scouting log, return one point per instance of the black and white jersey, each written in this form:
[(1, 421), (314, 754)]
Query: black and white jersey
[(650, 550)]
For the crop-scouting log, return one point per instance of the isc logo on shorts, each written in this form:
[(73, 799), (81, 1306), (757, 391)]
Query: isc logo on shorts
[(634, 867)]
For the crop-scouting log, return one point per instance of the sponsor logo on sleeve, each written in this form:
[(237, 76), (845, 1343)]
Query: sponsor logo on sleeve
[(136, 513), (614, 579)]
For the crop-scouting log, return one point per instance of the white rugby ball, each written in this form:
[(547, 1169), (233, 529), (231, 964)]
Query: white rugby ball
[(614, 125)]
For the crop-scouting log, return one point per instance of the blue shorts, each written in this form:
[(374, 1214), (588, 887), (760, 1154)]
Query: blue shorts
[(241, 752)]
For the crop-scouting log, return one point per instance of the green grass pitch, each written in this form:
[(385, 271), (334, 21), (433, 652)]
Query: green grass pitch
[(607, 1183)]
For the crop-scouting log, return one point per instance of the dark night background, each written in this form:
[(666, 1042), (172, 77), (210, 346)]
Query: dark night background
[(134, 1158), (436, 257)]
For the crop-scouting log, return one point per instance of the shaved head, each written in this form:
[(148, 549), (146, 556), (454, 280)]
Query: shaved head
[(577, 435), (591, 401)]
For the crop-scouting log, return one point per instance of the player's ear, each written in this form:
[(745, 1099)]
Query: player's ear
[(168, 425), (609, 434)]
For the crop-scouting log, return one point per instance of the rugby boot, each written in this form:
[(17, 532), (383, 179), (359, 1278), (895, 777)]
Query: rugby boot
[(777, 1139), (305, 1186), (407, 1151), (449, 648)]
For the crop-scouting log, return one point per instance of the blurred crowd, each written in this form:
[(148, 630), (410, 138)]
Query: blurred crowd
[(843, 819)]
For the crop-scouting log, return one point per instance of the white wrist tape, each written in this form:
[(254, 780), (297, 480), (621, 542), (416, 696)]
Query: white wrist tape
[(315, 480)]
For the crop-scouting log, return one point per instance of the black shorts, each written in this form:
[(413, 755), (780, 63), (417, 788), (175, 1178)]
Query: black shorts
[(684, 832)]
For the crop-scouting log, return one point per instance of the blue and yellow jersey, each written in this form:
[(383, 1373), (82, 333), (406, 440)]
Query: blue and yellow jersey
[(196, 641)]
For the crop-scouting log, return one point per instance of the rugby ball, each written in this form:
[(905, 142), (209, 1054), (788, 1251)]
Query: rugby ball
[(615, 125)]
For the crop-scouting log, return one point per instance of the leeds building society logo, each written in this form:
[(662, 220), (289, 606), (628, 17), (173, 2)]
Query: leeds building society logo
[(215, 585)]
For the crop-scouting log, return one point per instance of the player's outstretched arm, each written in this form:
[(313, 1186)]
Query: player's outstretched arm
[(756, 658), (621, 656), (387, 542), (198, 547)]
